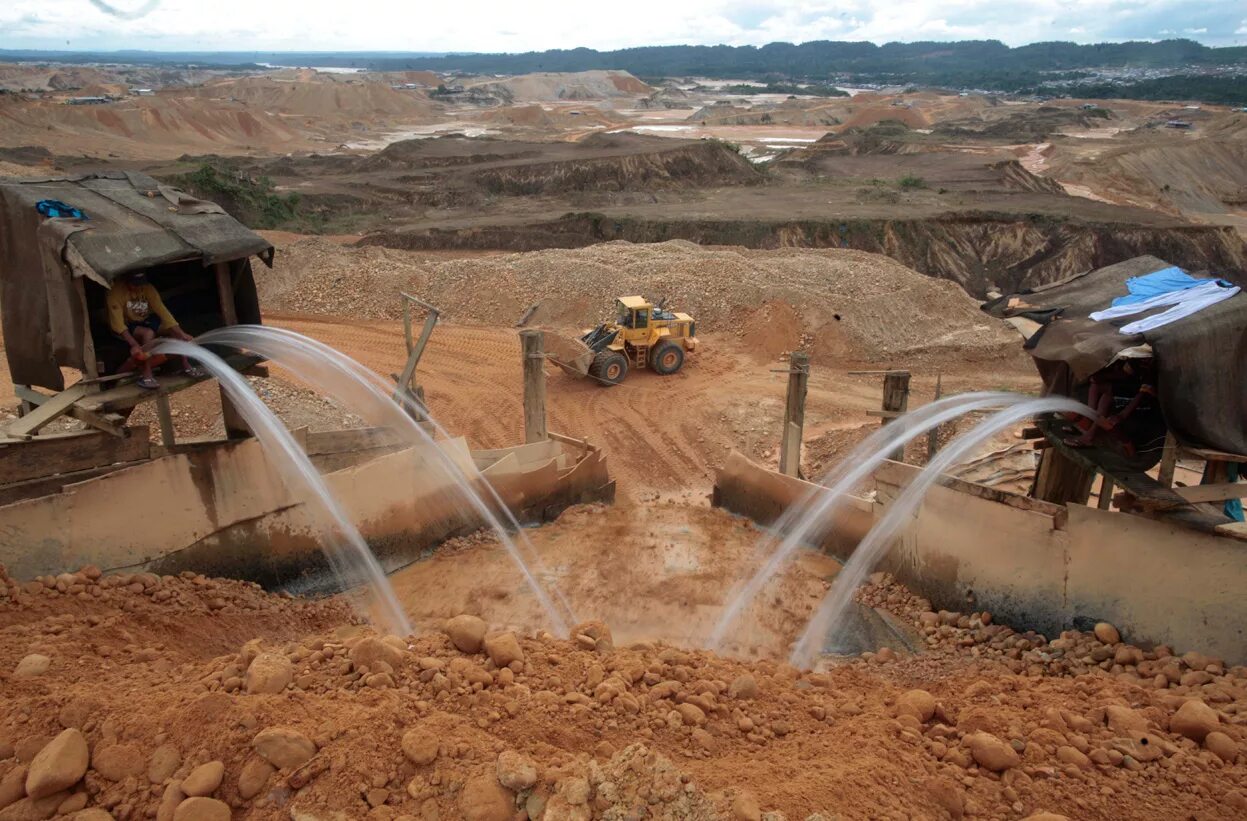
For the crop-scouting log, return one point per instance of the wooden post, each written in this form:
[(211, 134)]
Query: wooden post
[(794, 414), (165, 416), (933, 435), (895, 401), (1061, 480), (533, 347), (1106, 493), (1168, 461), (235, 426)]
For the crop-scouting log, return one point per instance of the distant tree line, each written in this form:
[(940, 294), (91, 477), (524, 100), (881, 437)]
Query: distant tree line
[(827, 60), (1226, 90)]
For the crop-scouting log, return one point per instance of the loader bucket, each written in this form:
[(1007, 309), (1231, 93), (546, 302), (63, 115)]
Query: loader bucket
[(572, 355)]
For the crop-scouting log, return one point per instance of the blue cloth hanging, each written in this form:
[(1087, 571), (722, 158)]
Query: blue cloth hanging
[(1164, 281), (1233, 507)]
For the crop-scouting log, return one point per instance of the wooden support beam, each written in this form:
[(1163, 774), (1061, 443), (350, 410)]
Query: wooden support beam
[(164, 414), (57, 405), (896, 400), (933, 435), (235, 426), (794, 414), (1105, 500), (1061, 480), (69, 452), (1219, 492), (1168, 460), (532, 344)]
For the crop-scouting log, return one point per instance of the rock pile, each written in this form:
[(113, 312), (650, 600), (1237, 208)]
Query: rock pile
[(308, 716)]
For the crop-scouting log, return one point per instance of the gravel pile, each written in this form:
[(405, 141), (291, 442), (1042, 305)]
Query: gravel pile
[(849, 303)]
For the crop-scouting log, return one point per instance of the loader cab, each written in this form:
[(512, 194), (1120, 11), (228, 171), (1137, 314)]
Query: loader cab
[(633, 312)]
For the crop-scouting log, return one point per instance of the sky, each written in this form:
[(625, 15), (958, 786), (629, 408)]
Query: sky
[(534, 25)]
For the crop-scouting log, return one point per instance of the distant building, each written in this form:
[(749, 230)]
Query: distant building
[(143, 92), (88, 100), (1177, 124)]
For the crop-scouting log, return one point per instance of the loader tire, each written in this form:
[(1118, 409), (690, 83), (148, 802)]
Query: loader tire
[(609, 367), (667, 358)]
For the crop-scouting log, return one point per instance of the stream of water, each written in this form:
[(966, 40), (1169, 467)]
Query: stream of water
[(345, 549), (802, 522), (871, 550), (335, 374)]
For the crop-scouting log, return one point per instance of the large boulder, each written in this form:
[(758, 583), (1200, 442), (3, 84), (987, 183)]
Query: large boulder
[(59, 765), (283, 747)]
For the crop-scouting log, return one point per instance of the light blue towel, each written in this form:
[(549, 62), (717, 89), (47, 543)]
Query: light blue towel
[(1164, 281)]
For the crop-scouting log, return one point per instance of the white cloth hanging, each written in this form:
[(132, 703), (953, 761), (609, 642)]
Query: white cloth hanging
[(1183, 303)]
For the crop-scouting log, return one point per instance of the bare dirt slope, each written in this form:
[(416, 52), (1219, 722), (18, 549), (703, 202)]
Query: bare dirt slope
[(125, 693)]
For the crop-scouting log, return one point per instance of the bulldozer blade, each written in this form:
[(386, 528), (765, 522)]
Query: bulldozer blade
[(571, 355)]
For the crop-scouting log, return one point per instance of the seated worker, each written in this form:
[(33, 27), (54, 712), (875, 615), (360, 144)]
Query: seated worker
[(1117, 393), (138, 315)]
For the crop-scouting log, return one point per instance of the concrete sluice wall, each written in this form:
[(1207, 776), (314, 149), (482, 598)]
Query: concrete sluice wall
[(1036, 565), (223, 510)]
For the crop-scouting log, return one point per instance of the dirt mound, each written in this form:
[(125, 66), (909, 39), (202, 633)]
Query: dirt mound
[(210, 697), (322, 95), (874, 302), (1203, 178), (581, 85), (1032, 125)]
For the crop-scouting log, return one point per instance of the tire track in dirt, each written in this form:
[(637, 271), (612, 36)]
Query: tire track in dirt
[(471, 377)]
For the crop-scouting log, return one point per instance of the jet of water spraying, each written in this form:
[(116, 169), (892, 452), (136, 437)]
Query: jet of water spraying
[(344, 547), (800, 522), (336, 374), (877, 542)]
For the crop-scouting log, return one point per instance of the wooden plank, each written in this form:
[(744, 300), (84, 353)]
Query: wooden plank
[(31, 397), (583, 444), (57, 406), (44, 456), (882, 414), (111, 423), (324, 442), (901, 474), (1211, 455), (165, 416), (34, 488), (1213, 493), (128, 395)]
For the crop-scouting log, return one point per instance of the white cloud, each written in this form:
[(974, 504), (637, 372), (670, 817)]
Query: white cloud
[(494, 25)]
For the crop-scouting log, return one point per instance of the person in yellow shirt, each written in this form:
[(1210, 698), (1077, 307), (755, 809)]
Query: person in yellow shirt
[(137, 314)]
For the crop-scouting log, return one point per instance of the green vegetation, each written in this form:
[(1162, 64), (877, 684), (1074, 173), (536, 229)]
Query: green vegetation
[(251, 200), (1207, 88), (909, 182)]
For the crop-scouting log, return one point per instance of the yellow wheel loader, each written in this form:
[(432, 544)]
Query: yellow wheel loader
[(642, 335)]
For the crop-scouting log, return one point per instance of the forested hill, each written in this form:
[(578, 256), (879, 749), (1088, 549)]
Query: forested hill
[(827, 60)]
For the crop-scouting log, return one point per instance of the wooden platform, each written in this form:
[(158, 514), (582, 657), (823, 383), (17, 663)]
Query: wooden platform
[(1149, 494), (101, 404)]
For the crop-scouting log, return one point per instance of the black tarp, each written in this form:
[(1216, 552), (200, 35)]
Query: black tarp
[(134, 223), (1201, 360)]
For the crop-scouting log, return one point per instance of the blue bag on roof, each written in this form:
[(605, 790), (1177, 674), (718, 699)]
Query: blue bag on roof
[(56, 208)]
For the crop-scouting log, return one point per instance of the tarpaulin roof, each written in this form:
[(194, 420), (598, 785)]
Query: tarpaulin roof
[(1201, 360), (133, 223)]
